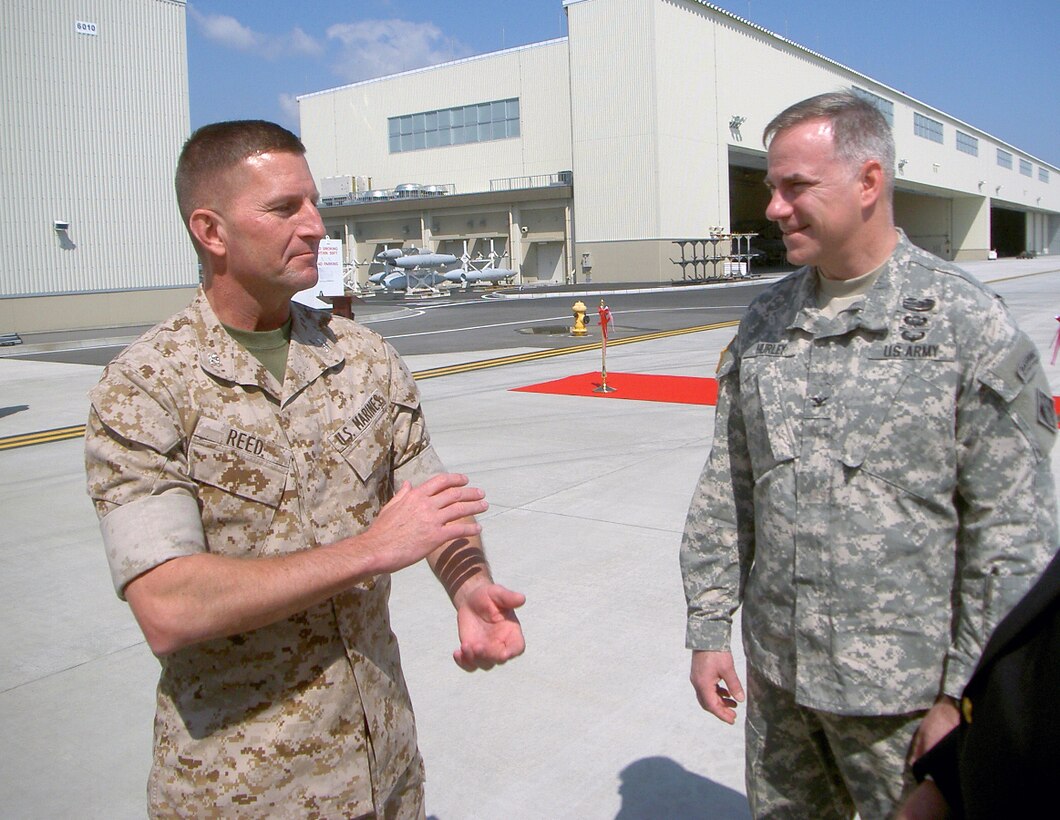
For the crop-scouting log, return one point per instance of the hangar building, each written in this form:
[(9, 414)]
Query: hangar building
[(93, 111), (594, 154)]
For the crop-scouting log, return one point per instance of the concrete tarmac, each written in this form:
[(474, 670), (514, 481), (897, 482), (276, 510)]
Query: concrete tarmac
[(588, 497)]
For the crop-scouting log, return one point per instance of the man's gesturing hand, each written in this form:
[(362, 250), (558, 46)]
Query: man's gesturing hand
[(418, 520), (716, 683), (489, 631)]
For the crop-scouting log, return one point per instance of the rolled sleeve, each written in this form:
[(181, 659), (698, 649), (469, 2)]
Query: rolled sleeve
[(419, 468), (145, 533), (138, 478)]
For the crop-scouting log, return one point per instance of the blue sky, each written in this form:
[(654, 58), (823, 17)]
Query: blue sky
[(993, 65)]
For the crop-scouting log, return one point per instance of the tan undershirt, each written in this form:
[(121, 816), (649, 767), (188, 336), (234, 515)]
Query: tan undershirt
[(836, 295)]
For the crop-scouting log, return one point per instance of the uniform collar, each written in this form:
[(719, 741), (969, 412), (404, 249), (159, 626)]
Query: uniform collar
[(313, 348), (873, 313), (312, 352)]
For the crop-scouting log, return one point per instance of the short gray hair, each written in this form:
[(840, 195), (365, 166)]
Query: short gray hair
[(859, 131)]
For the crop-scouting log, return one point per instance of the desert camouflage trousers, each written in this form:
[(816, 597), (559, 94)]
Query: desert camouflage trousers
[(405, 801), (804, 763)]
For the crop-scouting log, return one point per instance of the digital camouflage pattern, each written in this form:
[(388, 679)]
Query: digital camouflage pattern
[(879, 491), (193, 446), (793, 777)]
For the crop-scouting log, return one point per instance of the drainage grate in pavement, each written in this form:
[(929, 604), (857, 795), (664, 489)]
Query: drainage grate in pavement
[(545, 330)]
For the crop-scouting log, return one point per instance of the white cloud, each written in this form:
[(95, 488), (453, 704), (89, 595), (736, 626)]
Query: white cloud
[(302, 43), (373, 48), (228, 31), (225, 30)]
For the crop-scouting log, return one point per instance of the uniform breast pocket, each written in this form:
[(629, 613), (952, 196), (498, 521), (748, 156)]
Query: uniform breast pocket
[(356, 484), (241, 480), (906, 436), (769, 438), (368, 456)]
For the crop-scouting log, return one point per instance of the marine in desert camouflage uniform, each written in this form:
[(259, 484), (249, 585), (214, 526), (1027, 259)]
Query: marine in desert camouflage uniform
[(878, 493), (253, 509)]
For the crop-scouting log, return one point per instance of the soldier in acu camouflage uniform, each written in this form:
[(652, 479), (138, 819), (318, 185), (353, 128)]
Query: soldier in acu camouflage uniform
[(878, 494), (259, 470)]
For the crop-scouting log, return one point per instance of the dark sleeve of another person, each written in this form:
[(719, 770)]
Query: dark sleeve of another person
[(1001, 761), (940, 764)]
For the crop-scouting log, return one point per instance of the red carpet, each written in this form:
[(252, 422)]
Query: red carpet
[(636, 386), (643, 387)]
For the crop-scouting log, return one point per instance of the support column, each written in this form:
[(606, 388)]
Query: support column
[(515, 242), (971, 228)]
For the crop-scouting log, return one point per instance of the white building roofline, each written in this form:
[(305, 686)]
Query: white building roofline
[(928, 108), (434, 67)]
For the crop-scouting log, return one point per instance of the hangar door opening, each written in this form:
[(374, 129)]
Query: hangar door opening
[(1008, 231), (748, 198)]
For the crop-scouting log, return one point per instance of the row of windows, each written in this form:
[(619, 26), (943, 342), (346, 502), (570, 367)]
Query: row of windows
[(499, 119), (931, 129), (463, 124), (970, 145), (967, 143), (927, 128)]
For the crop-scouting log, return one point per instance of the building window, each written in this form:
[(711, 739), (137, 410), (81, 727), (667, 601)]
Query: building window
[(967, 143), (1004, 159), (495, 120), (1025, 167), (885, 107), (927, 128), (1043, 174)]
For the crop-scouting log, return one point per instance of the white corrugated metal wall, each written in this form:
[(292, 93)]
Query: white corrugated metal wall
[(345, 129), (654, 87), (93, 110), (615, 138), (661, 94)]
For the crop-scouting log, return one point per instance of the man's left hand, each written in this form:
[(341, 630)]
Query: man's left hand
[(937, 723), (489, 631), (925, 803)]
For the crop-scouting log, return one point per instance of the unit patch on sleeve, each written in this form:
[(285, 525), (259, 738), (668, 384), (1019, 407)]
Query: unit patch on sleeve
[(1046, 410), (1025, 370)]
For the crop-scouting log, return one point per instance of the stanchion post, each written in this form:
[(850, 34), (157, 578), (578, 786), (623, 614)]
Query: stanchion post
[(605, 322)]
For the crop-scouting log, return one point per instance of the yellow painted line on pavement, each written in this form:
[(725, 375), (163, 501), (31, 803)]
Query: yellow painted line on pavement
[(78, 430), (1019, 276), (42, 437), (537, 355)]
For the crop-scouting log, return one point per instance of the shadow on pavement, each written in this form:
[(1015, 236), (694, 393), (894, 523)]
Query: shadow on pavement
[(655, 787)]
